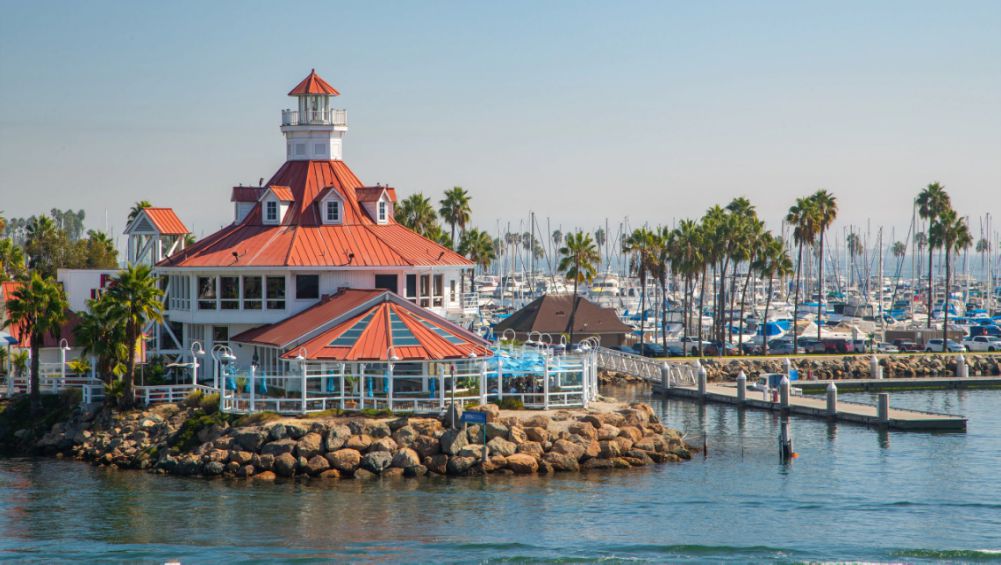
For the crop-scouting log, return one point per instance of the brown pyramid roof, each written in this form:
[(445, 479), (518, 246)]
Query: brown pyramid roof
[(550, 314)]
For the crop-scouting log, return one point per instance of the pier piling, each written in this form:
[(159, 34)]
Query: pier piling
[(741, 388), (883, 408), (832, 399)]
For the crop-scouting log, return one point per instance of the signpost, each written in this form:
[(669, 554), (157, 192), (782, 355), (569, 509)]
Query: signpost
[(481, 419)]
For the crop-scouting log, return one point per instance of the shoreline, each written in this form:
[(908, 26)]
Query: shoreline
[(188, 440)]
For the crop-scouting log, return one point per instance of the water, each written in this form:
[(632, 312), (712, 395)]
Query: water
[(853, 494)]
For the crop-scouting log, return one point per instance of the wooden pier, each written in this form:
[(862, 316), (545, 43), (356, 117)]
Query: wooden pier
[(916, 383), (911, 420)]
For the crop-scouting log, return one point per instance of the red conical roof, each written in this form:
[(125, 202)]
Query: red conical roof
[(313, 84)]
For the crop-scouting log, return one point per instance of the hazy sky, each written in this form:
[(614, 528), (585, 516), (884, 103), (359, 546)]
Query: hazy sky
[(579, 111)]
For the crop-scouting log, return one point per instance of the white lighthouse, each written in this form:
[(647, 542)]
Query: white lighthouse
[(315, 130)]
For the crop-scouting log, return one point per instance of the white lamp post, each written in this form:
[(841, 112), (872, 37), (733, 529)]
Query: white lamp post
[(195, 354), (390, 365), (301, 360), (223, 356), (64, 346)]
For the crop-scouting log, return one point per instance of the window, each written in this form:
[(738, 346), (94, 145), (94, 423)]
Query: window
[(220, 334), (319, 149), (425, 294), (451, 291), (271, 211), (333, 211), (229, 293), (412, 287), (276, 293), (439, 290), (300, 148), (252, 293), (206, 293), (307, 287), (382, 210), (386, 282), (179, 297)]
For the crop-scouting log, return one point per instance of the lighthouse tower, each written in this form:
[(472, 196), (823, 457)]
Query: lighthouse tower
[(314, 131)]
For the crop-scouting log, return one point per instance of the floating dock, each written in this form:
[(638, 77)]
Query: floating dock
[(895, 418), (879, 385)]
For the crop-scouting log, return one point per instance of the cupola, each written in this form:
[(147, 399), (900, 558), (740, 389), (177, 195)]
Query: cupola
[(315, 130)]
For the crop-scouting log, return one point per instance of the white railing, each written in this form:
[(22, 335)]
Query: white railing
[(329, 117), (166, 394), (681, 374)]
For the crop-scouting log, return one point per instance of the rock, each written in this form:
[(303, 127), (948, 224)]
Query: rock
[(376, 461), (452, 441), (517, 435), (278, 447), (537, 434), (426, 446), (330, 474), (265, 462), (295, 431), (265, 476), (437, 463), (607, 432), (537, 421), (522, 463), (566, 447), (317, 464), (336, 437), (415, 471), (637, 455), (251, 439), (613, 419), (285, 464), (404, 436), (475, 451), (496, 429), (245, 472), (593, 419), (405, 457), (532, 448), (561, 461), (501, 446), (214, 468), (425, 426), (460, 465), (625, 444), (491, 410), (345, 460), (364, 474), (277, 432), (583, 429), (393, 473), (631, 432), (310, 445), (609, 449), (241, 457), (359, 442), (383, 444)]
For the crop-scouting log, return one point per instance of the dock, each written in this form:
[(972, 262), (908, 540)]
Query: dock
[(880, 385), (899, 419)]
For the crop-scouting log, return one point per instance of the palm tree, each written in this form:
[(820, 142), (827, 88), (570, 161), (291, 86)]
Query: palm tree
[(854, 244), (38, 307), (642, 245), (557, 238), (3, 222), (899, 249), (136, 208), (102, 336), (415, 212), (455, 209), (686, 259), (932, 202), (772, 262), (578, 259), (920, 242), (664, 240), (952, 234), (827, 209), (599, 239), (803, 217), (478, 247), (11, 260), (753, 238), (136, 299), (983, 248)]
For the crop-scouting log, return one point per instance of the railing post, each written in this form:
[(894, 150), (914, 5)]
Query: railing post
[(875, 371), (389, 386), (441, 387), (500, 379), (784, 386), (960, 365), (361, 386), (303, 369), (665, 376), (702, 378), (341, 377), (253, 389), (545, 385)]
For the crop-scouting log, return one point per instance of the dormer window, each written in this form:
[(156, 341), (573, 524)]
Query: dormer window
[(382, 211), (333, 211), (271, 211)]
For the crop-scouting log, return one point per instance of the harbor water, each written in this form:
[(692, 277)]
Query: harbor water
[(853, 493)]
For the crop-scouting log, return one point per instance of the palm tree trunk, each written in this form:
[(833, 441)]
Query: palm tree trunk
[(702, 298), (764, 327), (573, 307), (931, 262), (743, 302), (686, 317), (128, 397), (945, 305), (642, 305), (663, 311), (35, 394), (795, 306), (820, 283)]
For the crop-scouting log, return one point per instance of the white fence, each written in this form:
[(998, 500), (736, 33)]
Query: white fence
[(680, 374)]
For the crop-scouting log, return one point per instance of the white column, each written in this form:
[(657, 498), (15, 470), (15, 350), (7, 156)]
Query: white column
[(832, 399), (389, 386), (441, 387), (253, 389), (341, 378), (500, 379), (361, 386), (62, 363), (741, 388), (483, 382), (194, 370), (545, 385), (303, 370)]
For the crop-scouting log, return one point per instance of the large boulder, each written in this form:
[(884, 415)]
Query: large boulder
[(377, 461), (241, 457), (609, 449), (359, 442), (460, 465), (452, 441), (404, 436), (437, 463), (631, 432), (309, 445), (472, 451), (522, 463), (285, 465), (383, 444), (607, 432), (336, 437), (501, 446), (496, 429), (426, 446), (250, 439), (406, 457), (537, 434), (278, 447), (491, 410), (345, 460), (316, 465), (516, 434), (584, 429), (295, 431), (567, 447), (425, 426), (532, 448), (561, 461)]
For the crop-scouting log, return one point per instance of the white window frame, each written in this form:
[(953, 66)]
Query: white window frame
[(382, 211), (267, 209), (327, 208)]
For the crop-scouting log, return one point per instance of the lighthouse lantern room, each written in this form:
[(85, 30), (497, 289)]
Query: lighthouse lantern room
[(315, 130)]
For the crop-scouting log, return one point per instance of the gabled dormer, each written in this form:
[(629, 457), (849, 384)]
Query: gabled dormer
[(377, 202), (275, 203), (331, 206)]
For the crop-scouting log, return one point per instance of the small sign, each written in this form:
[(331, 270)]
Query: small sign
[(474, 418)]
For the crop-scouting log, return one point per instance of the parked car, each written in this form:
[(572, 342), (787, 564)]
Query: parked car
[(839, 345), (782, 347), (674, 350), (933, 345), (884, 347), (651, 350), (689, 345), (812, 345), (750, 348), (716, 347), (982, 343), (904, 345)]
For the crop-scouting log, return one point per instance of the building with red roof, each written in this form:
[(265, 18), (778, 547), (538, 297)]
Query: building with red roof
[(311, 231)]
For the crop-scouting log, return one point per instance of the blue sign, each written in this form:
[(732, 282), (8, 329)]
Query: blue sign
[(474, 418)]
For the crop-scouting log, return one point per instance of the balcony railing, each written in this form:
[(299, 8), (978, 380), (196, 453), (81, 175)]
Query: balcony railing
[(315, 117)]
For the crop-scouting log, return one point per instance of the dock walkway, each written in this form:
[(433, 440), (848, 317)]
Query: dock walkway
[(916, 383)]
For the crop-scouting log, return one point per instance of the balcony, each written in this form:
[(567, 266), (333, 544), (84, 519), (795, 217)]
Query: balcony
[(315, 118)]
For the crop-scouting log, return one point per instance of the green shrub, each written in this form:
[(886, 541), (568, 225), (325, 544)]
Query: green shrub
[(209, 403), (257, 419), (114, 392), (194, 399), (329, 413), (186, 438), (511, 403)]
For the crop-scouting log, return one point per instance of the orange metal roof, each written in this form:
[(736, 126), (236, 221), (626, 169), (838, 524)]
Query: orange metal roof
[(246, 194), (369, 193), (166, 221), (303, 240), (313, 84), (419, 334), (283, 193)]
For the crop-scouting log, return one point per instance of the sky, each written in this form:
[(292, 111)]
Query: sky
[(583, 112)]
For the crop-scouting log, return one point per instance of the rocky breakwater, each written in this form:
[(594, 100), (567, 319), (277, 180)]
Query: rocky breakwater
[(186, 441), (854, 366)]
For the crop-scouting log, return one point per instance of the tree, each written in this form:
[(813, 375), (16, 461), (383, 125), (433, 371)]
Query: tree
[(803, 217), (11, 260), (899, 249), (477, 246), (136, 208), (38, 307), (687, 260), (664, 240), (984, 249), (773, 262), (578, 259), (952, 234), (97, 251), (416, 213), (3, 222), (136, 299), (455, 209), (827, 209), (932, 202), (599, 239), (103, 337), (557, 238), (642, 245)]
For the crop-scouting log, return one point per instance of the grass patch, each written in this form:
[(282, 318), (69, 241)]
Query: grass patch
[(257, 419), (510, 403), (209, 403), (186, 438), (329, 413)]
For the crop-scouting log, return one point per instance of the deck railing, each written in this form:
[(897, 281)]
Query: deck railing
[(328, 117)]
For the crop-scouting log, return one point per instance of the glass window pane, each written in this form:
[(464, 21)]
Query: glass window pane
[(252, 293), (229, 293), (307, 286), (276, 293), (206, 293)]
